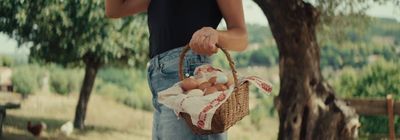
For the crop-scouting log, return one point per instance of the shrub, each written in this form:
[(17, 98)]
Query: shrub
[(6, 61), (59, 82), (65, 81), (257, 114), (374, 81), (125, 78), (24, 82), (139, 98), (378, 80), (26, 79)]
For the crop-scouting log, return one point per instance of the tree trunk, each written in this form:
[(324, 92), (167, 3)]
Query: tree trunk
[(87, 86), (308, 108)]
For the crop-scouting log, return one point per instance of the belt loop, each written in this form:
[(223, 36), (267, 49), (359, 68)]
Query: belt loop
[(158, 61)]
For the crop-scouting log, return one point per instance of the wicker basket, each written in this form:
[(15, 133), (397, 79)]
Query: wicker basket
[(231, 111)]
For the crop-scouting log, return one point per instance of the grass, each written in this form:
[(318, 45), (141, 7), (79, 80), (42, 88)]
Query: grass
[(106, 119)]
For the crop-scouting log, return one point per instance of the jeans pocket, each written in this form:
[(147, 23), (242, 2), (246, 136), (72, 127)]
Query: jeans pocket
[(194, 62), (170, 68), (150, 78)]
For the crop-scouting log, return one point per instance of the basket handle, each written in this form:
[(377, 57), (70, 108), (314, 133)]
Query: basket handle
[(228, 57)]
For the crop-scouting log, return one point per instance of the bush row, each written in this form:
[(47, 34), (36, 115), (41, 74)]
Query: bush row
[(28, 79)]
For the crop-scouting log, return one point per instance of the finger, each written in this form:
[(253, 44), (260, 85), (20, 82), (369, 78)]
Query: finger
[(215, 49), (201, 40), (193, 42), (207, 45), (212, 50), (199, 43), (191, 45), (214, 41)]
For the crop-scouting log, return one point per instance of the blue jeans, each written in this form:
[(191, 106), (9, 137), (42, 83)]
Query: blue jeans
[(162, 74)]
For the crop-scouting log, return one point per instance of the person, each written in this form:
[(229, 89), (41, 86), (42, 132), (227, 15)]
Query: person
[(172, 25)]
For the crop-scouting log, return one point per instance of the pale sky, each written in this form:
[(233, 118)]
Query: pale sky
[(253, 15)]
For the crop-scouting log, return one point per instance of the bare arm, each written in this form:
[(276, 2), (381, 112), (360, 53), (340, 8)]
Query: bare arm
[(121, 8), (234, 38)]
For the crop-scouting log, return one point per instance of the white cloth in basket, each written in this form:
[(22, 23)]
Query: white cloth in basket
[(202, 108)]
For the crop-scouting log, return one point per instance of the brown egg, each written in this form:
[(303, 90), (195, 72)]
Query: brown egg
[(204, 85), (212, 80), (221, 87), (210, 90), (202, 80), (189, 83)]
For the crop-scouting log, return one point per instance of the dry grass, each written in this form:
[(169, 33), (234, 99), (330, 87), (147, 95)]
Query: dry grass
[(106, 120)]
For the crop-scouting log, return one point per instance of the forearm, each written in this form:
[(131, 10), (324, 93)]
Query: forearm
[(234, 39), (112, 6), (121, 8)]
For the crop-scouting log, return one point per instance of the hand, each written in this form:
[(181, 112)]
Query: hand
[(204, 41)]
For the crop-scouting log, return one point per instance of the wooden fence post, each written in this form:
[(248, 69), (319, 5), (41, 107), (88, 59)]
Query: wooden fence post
[(389, 100)]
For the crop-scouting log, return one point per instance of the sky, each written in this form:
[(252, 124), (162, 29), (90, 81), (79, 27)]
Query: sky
[(253, 15)]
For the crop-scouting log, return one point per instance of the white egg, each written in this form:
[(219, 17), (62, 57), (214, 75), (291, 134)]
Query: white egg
[(221, 79), (195, 92)]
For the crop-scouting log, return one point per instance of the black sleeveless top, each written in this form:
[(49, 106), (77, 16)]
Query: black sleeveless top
[(173, 22)]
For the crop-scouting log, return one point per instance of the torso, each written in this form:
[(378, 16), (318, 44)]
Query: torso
[(173, 22)]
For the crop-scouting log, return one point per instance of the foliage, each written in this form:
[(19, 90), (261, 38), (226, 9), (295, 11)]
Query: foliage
[(379, 38), (258, 33), (67, 32), (65, 81), (75, 33), (379, 79), (128, 86), (6, 61), (351, 57), (257, 114), (339, 16), (261, 50), (264, 108), (125, 78), (27, 79), (59, 83), (373, 81)]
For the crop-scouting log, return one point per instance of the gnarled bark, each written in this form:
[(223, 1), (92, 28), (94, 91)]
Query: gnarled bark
[(307, 107)]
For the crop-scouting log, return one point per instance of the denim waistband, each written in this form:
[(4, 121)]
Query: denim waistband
[(173, 55)]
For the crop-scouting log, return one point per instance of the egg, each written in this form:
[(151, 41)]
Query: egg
[(201, 79), (221, 87), (195, 92), (189, 83), (221, 79), (204, 85), (210, 90), (212, 80)]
